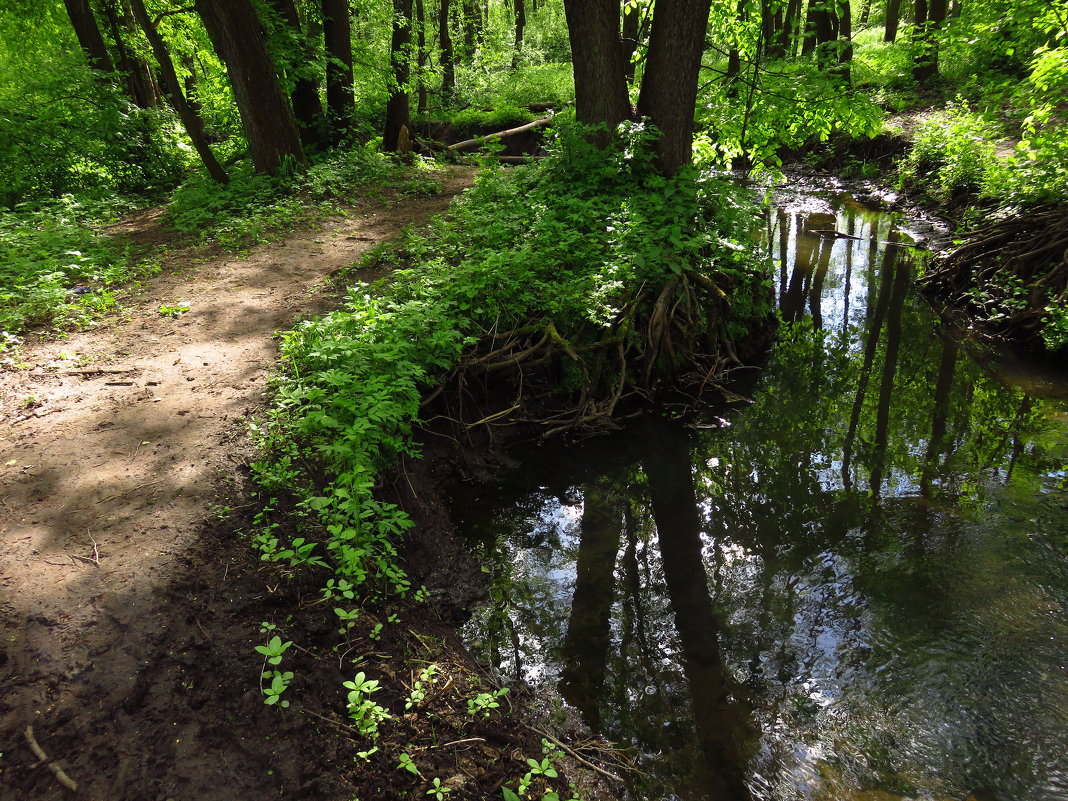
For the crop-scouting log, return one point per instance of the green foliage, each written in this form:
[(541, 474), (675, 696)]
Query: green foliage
[(366, 714), (483, 703), (57, 267), (278, 681), (952, 151)]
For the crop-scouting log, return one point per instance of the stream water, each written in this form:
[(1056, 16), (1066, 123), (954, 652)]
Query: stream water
[(851, 585)]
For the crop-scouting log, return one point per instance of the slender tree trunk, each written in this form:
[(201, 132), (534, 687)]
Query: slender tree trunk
[(597, 61), (88, 33), (893, 18), (194, 125), (307, 108), (788, 36), (845, 40), (865, 13), (398, 109), (268, 121), (927, 28), (669, 88), (337, 36), (520, 26), (140, 82), (420, 23), (448, 53), (734, 57)]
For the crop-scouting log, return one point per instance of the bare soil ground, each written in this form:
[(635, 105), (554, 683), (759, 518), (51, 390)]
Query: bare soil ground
[(129, 608)]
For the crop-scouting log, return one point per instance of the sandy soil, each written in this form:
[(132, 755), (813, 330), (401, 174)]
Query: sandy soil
[(128, 616)]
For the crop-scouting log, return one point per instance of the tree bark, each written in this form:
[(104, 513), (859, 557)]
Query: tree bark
[(520, 26), (398, 108), (597, 61), (420, 28), (194, 125), (337, 35), (140, 82), (631, 26), (448, 53), (788, 35), (268, 121), (307, 108), (669, 88), (927, 27), (88, 33), (893, 17)]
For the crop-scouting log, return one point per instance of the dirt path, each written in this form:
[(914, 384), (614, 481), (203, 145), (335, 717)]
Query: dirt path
[(126, 627)]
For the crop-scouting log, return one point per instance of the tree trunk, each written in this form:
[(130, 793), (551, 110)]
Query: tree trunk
[(194, 125), (88, 33), (631, 23), (926, 66), (337, 35), (271, 131), (520, 25), (788, 35), (669, 88), (420, 28), (307, 108), (845, 39), (398, 111), (448, 53), (893, 17), (140, 82), (597, 60)]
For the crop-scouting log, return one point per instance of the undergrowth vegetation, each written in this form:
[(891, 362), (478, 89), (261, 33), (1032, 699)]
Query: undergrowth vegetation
[(579, 281), (61, 268)]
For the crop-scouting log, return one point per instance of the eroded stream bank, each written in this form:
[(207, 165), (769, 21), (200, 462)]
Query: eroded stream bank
[(852, 587)]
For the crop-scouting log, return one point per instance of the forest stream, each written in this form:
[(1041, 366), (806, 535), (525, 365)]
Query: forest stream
[(846, 584)]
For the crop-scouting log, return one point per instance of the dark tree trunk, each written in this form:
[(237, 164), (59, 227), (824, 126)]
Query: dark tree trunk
[(194, 125), (420, 22), (448, 53), (471, 24), (307, 108), (339, 98), (927, 27), (893, 17), (268, 121), (88, 33), (398, 111), (597, 60), (520, 25), (140, 82), (788, 35), (669, 88), (734, 59), (845, 39), (769, 25), (865, 13)]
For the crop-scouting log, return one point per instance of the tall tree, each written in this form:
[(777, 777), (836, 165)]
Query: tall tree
[(304, 96), (88, 33), (337, 34), (271, 131), (140, 82), (448, 52), (930, 16), (669, 87), (520, 27), (893, 18), (194, 125), (398, 107), (597, 61)]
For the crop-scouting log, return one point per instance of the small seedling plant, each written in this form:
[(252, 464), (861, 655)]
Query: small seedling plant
[(421, 687), (405, 763), (484, 703), (438, 790), (365, 713), (278, 680)]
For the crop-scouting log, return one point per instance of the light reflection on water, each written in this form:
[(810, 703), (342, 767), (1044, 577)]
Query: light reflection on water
[(856, 590)]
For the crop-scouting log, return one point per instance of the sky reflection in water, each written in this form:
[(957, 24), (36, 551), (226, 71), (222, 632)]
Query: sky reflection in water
[(856, 590)]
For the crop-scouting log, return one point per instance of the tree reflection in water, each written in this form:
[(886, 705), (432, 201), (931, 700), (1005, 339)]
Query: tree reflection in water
[(855, 591)]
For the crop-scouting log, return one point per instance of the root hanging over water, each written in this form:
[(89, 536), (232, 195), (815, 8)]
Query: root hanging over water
[(1009, 275), (669, 337)]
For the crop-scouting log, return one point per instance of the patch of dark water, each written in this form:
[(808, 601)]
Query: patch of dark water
[(852, 587)]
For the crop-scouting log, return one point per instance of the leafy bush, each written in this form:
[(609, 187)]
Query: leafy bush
[(56, 267), (566, 245), (952, 151)]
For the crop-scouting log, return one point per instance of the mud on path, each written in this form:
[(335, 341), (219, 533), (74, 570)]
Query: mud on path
[(127, 617)]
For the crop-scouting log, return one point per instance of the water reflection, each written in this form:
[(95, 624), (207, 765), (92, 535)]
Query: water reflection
[(855, 591)]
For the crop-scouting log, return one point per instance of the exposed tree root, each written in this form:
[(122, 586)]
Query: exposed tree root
[(590, 378), (1008, 273)]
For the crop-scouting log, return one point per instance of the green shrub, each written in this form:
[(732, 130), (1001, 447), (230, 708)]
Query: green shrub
[(952, 152)]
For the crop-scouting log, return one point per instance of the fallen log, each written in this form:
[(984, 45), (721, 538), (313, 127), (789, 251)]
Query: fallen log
[(468, 144)]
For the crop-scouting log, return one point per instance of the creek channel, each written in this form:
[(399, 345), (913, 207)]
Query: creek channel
[(850, 585)]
